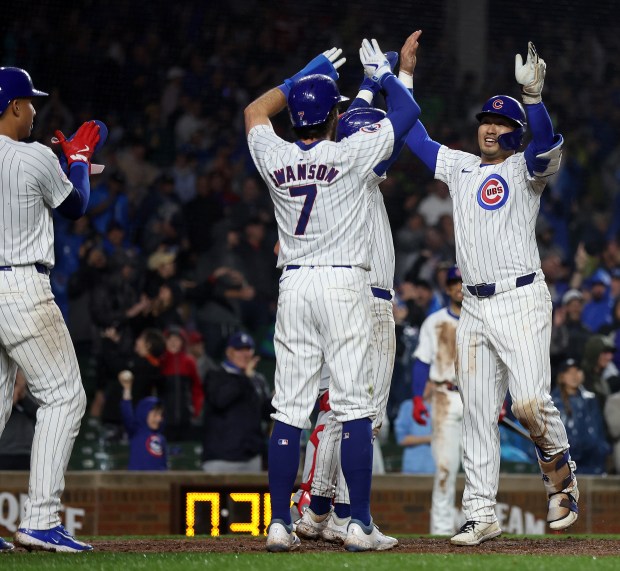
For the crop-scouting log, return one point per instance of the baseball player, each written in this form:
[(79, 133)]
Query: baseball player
[(33, 335), (324, 479), (503, 334), (319, 190), (434, 359)]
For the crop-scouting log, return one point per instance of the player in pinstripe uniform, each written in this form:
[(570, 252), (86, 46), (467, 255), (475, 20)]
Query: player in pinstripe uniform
[(434, 359), (320, 196), (33, 335), (327, 481), (503, 336)]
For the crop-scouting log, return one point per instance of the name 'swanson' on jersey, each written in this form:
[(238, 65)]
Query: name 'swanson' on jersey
[(320, 172)]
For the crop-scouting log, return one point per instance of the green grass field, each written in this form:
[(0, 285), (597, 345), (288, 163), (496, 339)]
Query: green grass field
[(301, 561)]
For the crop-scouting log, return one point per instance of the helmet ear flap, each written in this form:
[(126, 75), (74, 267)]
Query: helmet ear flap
[(511, 141)]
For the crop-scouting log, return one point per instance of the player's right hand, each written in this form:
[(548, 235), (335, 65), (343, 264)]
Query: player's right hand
[(376, 65), (420, 412), (81, 146)]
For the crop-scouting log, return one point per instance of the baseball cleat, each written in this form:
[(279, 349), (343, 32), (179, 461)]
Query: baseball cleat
[(281, 537), (362, 537), (5, 546), (563, 510), (311, 525), (55, 539), (475, 532), (336, 529)]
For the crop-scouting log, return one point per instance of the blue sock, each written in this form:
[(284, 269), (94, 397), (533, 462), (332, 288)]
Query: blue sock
[(283, 465), (320, 504), (342, 510), (356, 458)]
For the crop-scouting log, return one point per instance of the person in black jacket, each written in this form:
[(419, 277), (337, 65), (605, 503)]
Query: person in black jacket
[(237, 409), (16, 440)]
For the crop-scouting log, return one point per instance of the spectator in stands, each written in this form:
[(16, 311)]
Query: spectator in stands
[(415, 438), (436, 202), (568, 334), (597, 310), (582, 418), (16, 440), (237, 410), (181, 388), (598, 368), (612, 330), (143, 360), (147, 444), (611, 414)]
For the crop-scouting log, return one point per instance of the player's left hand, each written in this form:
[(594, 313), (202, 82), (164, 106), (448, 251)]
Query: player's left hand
[(370, 85), (408, 53), (376, 65), (530, 75)]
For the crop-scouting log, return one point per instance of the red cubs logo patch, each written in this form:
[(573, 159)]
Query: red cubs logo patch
[(493, 192), (371, 128), (154, 446)]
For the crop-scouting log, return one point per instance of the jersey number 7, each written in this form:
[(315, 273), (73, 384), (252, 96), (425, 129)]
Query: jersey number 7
[(309, 191)]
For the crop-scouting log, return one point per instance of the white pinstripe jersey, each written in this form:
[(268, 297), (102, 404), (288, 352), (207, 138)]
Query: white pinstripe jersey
[(437, 345), (31, 184), (495, 211), (382, 258), (318, 193)]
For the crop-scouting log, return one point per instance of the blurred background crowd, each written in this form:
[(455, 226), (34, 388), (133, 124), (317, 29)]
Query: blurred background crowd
[(179, 235)]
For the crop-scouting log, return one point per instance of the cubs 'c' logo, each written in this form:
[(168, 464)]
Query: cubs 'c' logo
[(154, 446), (493, 192), (498, 104), (371, 128)]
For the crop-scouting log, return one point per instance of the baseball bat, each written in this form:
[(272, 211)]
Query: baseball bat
[(515, 427)]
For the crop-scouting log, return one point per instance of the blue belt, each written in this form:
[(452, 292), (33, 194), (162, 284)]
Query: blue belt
[(39, 267), (487, 290), (297, 267), (381, 293)]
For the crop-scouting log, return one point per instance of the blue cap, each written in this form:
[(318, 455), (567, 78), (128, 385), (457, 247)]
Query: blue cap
[(600, 276), (241, 340), (453, 275)]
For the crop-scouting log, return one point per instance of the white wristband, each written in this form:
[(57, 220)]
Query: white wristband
[(366, 95), (406, 79)]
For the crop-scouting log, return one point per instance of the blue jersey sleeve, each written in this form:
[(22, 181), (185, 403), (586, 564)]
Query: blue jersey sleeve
[(422, 146)]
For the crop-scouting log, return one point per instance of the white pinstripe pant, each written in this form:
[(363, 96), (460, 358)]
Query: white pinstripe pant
[(328, 471), (34, 337), (323, 315), (503, 343)]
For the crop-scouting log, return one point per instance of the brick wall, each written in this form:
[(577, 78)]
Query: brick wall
[(119, 503)]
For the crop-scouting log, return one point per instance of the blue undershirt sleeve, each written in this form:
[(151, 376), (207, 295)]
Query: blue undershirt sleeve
[(75, 205), (421, 145), (420, 372)]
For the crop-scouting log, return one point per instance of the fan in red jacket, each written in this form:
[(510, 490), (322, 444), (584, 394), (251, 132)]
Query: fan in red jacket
[(181, 390)]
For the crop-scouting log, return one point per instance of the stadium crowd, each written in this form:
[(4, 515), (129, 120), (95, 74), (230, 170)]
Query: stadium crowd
[(180, 232)]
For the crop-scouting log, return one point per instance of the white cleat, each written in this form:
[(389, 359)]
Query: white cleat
[(311, 525), (362, 537), (563, 511), (281, 537), (336, 529), (475, 532)]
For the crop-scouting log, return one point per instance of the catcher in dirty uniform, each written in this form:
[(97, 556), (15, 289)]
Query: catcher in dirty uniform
[(33, 334), (504, 332), (434, 359), (324, 478)]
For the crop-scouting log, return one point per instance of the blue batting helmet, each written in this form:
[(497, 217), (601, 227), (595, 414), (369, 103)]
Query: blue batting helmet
[(511, 109), (312, 98), (14, 84), (353, 120)]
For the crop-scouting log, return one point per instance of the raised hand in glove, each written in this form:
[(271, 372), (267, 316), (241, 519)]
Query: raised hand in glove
[(81, 146), (531, 75), (420, 412), (373, 86), (326, 63), (376, 65)]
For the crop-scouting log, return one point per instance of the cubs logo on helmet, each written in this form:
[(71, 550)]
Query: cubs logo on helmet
[(365, 119), (493, 192)]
